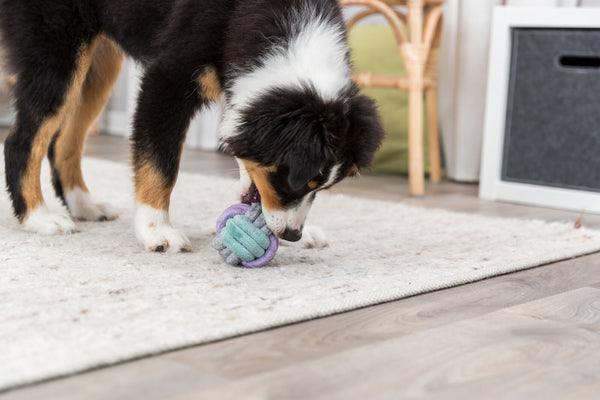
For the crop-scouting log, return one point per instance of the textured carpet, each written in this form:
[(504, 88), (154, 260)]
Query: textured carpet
[(94, 298)]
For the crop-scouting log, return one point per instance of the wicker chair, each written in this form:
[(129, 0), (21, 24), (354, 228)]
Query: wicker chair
[(420, 52)]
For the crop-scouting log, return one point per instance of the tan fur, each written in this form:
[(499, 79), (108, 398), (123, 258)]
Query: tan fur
[(260, 176), (11, 81), (312, 184), (32, 192), (103, 72), (150, 188), (208, 83)]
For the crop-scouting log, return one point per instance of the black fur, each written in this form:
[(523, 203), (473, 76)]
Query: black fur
[(307, 136), (15, 162), (41, 40), (365, 132), (292, 129), (301, 129), (256, 25)]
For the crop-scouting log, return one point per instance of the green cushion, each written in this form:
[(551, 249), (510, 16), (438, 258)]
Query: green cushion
[(374, 49)]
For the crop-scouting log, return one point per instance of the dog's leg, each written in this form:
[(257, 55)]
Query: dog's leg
[(45, 92), (67, 146), (167, 102)]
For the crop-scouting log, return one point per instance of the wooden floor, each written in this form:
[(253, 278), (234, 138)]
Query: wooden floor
[(530, 335)]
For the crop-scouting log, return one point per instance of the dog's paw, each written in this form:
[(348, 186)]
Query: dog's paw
[(313, 237), (82, 207), (164, 238), (43, 222), (153, 229)]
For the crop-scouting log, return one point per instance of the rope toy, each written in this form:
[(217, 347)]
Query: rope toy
[(243, 237)]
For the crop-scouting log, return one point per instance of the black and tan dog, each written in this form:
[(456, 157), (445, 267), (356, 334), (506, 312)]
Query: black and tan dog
[(280, 68)]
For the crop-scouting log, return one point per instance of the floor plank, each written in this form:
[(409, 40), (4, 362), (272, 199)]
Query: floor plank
[(151, 379), (238, 357), (505, 354)]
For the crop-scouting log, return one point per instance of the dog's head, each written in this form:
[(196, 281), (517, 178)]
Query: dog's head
[(293, 144)]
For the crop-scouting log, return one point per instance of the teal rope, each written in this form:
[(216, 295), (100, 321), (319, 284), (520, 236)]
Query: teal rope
[(244, 239)]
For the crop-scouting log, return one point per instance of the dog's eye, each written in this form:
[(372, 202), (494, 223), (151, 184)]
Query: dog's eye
[(312, 185)]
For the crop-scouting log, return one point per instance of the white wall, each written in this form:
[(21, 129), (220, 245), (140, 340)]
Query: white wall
[(118, 116), (462, 83)]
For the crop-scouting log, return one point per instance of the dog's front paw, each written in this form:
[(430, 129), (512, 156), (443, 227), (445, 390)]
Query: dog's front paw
[(313, 237), (43, 222), (82, 207), (153, 229), (164, 238)]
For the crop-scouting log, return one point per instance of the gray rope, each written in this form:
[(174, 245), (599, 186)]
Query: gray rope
[(256, 216)]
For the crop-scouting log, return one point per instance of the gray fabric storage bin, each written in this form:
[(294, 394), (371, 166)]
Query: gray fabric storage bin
[(552, 133)]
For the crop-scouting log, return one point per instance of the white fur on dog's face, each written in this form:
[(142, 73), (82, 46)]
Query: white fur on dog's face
[(290, 218), (294, 217)]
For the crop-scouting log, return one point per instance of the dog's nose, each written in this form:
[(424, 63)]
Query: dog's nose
[(291, 235)]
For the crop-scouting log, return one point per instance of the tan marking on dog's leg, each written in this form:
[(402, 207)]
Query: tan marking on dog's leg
[(151, 188), (152, 225), (103, 72), (209, 84), (107, 60), (260, 176), (32, 192)]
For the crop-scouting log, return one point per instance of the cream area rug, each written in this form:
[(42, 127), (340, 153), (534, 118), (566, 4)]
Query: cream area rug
[(70, 303)]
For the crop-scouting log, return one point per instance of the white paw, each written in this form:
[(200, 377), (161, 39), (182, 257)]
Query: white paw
[(82, 207), (43, 222), (153, 229), (313, 237)]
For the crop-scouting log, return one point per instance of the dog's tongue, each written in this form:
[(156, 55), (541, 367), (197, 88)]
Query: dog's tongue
[(252, 196)]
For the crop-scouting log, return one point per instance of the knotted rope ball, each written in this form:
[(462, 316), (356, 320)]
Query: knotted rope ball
[(243, 237)]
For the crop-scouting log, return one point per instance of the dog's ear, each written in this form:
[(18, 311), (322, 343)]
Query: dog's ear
[(307, 150), (365, 132), (288, 128), (303, 169)]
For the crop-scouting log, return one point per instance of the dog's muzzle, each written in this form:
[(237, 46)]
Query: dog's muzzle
[(291, 235)]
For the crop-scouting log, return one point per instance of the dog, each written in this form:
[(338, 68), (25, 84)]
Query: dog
[(292, 117)]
